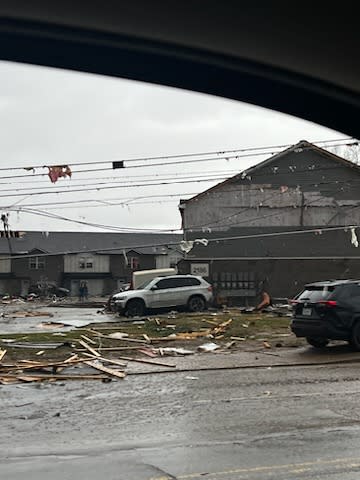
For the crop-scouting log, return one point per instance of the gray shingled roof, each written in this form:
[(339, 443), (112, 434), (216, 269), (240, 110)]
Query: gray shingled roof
[(53, 242)]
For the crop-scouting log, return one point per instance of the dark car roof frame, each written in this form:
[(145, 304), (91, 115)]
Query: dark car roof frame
[(191, 68), (331, 283)]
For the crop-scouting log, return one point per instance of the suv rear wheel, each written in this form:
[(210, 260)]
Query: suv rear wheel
[(317, 342), (196, 304), (135, 308), (355, 336)]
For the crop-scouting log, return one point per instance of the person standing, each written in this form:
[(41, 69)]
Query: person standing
[(86, 291), (81, 292)]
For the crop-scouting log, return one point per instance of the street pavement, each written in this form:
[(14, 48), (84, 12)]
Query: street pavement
[(267, 422)]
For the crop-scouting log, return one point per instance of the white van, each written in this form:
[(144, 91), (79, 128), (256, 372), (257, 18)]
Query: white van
[(142, 276)]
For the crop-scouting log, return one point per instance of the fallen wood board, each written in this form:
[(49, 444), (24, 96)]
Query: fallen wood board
[(125, 339), (148, 352), (2, 354), (48, 376), (101, 368), (91, 350), (109, 360), (33, 313), (38, 346), (151, 362), (38, 365), (108, 349), (87, 339), (50, 325)]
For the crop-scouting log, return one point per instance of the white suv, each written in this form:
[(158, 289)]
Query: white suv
[(171, 291)]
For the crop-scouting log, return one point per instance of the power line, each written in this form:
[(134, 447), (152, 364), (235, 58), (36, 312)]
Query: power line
[(121, 183), (181, 155), (104, 202), (164, 182), (174, 244), (93, 224), (182, 162), (138, 177), (112, 187)]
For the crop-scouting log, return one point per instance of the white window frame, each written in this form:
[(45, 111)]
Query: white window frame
[(36, 263)]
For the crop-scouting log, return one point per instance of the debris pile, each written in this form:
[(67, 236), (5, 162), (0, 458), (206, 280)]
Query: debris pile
[(71, 368)]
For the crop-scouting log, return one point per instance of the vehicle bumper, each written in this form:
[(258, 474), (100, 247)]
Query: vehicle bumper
[(305, 327)]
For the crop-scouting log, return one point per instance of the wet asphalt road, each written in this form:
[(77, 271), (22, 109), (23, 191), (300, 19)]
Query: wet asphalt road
[(278, 423)]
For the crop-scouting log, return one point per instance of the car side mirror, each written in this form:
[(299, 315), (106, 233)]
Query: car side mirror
[(154, 287)]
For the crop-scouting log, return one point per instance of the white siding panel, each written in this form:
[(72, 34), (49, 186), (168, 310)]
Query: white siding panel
[(5, 265), (100, 263)]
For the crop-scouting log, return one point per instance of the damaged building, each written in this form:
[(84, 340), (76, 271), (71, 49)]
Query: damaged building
[(105, 261), (282, 223)]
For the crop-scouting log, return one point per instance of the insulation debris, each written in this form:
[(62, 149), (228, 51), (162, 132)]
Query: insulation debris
[(208, 347), (38, 346), (174, 351)]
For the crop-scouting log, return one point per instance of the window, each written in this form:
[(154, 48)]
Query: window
[(134, 263), (187, 282), (86, 263), (37, 263), (177, 282), (234, 280), (166, 283), (315, 294)]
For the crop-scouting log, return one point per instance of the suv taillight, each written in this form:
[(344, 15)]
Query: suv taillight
[(210, 289), (328, 303)]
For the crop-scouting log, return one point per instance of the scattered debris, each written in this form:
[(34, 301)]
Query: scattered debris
[(151, 362), (2, 354), (50, 325), (30, 313), (208, 347), (110, 371), (40, 352), (241, 339), (87, 339), (39, 346), (174, 351), (266, 344), (91, 350), (150, 352), (191, 378), (118, 335)]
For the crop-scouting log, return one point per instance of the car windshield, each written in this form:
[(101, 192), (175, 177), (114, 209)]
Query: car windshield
[(315, 294), (105, 180)]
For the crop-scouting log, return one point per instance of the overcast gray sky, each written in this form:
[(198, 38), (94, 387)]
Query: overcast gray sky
[(50, 117)]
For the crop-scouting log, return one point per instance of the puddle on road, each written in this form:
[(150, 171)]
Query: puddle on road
[(68, 318)]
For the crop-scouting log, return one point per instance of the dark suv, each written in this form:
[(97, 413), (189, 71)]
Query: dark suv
[(328, 311)]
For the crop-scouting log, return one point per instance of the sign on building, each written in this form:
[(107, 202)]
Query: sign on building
[(200, 269)]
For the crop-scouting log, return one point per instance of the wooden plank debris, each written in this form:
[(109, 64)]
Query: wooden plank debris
[(87, 339), (2, 354), (110, 349), (11, 378), (124, 339), (151, 362), (91, 350), (102, 368), (108, 360)]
